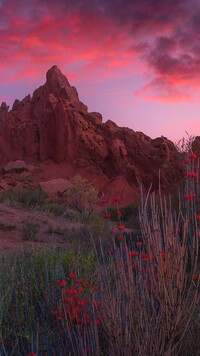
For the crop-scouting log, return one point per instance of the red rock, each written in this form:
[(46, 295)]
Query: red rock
[(15, 166), (4, 186), (55, 186), (55, 125)]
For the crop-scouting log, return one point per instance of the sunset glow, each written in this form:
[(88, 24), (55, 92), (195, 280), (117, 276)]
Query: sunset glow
[(136, 62)]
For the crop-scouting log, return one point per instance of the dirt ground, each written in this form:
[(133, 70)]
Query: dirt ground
[(21, 229)]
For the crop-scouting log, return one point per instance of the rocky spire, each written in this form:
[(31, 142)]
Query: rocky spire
[(58, 85)]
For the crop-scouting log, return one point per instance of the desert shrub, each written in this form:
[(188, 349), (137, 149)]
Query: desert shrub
[(82, 197), (25, 197), (29, 198)]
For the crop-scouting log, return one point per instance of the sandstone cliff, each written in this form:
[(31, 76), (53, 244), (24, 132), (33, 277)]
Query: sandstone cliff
[(55, 125)]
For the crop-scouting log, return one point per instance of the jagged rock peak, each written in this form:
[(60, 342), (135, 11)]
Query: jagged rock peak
[(58, 84), (56, 79)]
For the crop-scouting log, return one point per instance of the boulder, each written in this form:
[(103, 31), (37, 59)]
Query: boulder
[(55, 187), (15, 166)]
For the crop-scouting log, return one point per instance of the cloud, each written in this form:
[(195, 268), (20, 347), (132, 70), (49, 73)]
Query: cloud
[(109, 38)]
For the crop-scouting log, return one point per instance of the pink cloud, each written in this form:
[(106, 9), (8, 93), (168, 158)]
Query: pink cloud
[(111, 39)]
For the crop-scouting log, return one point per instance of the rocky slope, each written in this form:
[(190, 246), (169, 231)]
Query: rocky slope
[(54, 128)]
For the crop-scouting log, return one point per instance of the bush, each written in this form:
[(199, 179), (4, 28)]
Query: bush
[(82, 197)]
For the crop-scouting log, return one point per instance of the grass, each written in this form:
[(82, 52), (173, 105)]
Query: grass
[(133, 295), (30, 230), (32, 199)]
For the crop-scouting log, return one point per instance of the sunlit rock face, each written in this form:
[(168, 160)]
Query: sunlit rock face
[(55, 125)]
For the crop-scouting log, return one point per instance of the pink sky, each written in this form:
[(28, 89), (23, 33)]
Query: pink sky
[(135, 61)]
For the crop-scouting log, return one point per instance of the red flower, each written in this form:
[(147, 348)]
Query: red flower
[(112, 231), (186, 161), (72, 275), (63, 284), (119, 213), (106, 216), (133, 253), (162, 254), (116, 200), (119, 238), (31, 354), (192, 155), (105, 201), (190, 196), (121, 228), (98, 321), (192, 174), (139, 243), (96, 304), (198, 217)]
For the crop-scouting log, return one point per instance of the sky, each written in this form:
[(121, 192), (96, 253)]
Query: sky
[(137, 62)]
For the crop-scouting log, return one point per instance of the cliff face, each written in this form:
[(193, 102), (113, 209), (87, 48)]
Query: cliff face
[(55, 125)]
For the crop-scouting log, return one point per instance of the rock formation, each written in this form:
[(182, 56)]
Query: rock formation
[(55, 125)]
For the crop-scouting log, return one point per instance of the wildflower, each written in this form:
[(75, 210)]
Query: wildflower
[(63, 284), (97, 304), (192, 155), (139, 243), (116, 200), (192, 174), (121, 228), (72, 275), (79, 281), (106, 216), (104, 201), (162, 254), (98, 321), (190, 196), (112, 231), (119, 213), (53, 313), (198, 217), (119, 238), (133, 253), (31, 354)]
